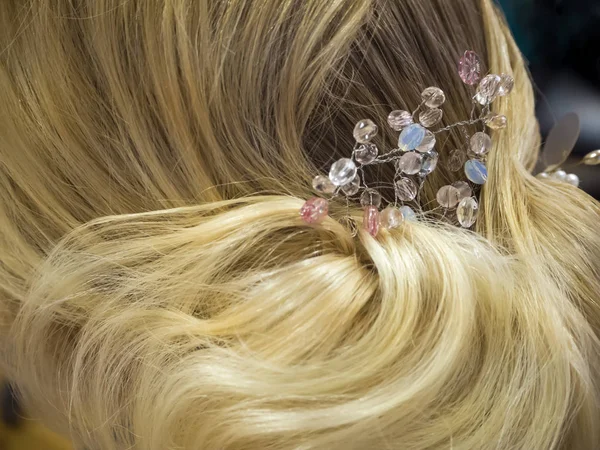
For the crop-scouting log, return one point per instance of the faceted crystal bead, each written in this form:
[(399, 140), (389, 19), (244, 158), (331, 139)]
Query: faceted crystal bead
[(427, 143), (433, 97), (371, 198), (397, 120), (448, 196), (366, 153), (410, 163), (430, 117), (456, 160), (406, 189), (592, 158), (469, 68), (408, 213), (496, 121), (481, 143), (371, 220), (314, 210), (559, 175), (467, 212), (572, 179), (507, 83), (463, 188), (342, 171), (364, 131), (352, 188), (411, 137), (391, 217), (487, 90), (429, 163), (476, 171), (323, 184)]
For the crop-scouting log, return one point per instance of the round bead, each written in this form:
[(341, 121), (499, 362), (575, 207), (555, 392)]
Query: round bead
[(496, 121), (456, 160), (469, 68), (411, 137), (406, 189), (430, 161), (366, 153), (410, 163), (448, 196), (430, 117), (507, 83), (391, 217), (371, 220), (572, 179), (433, 97), (371, 198), (467, 212), (487, 90), (323, 184), (352, 188), (427, 143), (559, 175), (364, 131), (408, 213), (463, 188), (543, 176), (342, 171), (397, 120), (314, 210), (476, 171), (592, 158), (481, 143)]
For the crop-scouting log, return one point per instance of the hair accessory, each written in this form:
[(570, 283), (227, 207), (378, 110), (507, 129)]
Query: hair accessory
[(416, 156)]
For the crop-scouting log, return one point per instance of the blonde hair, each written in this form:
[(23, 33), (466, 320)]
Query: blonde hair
[(159, 291)]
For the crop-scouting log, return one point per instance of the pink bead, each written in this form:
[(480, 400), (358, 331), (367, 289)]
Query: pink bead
[(314, 210), (469, 68), (371, 220)]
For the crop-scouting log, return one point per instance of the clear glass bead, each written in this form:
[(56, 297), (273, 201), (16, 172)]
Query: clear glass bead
[(406, 189), (411, 137), (342, 171), (410, 163), (476, 171), (507, 83), (427, 143), (592, 158), (469, 68), (370, 198), (559, 175), (433, 97), (430, 117), (572, 179), (487, 90), (314, 210), (456, 160), (463, 188), (371, 220), (352, 188), (481, 143), (365, 130), (430, 161), (448, 196), (397, 120), (408, 213), (496, 121), (467, 212), (391, 218), (366, 153), (323, 184)]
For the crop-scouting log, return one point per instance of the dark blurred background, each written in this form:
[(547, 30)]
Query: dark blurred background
[(561, 41)]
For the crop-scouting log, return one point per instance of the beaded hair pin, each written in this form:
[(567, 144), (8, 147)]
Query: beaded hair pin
[(415, 157)]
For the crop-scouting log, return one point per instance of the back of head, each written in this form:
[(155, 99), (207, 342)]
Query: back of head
[(158, 289)]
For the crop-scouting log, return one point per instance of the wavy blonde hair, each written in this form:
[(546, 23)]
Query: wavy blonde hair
[(158, 290)]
